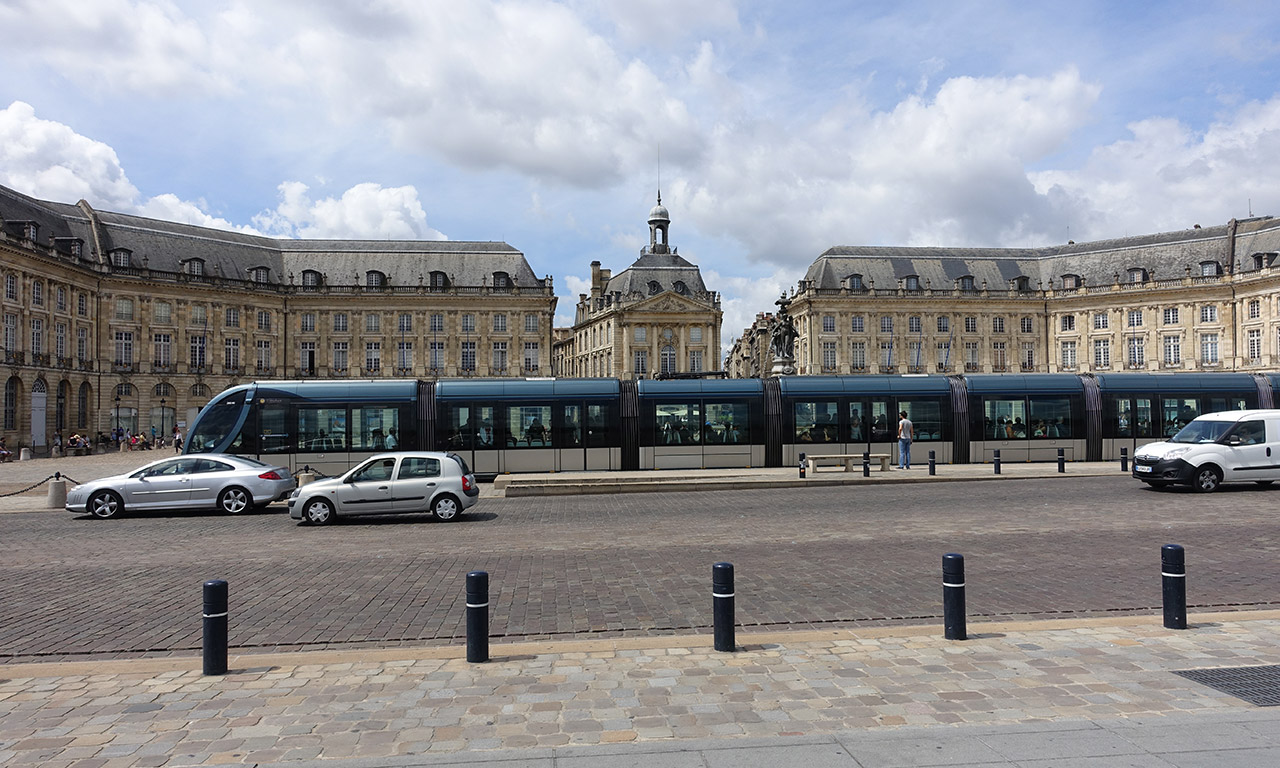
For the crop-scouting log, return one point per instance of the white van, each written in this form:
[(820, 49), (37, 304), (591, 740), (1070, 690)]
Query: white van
[(1216, 448)]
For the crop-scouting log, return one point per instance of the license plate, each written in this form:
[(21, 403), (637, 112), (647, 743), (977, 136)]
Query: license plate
[(1139, 468)]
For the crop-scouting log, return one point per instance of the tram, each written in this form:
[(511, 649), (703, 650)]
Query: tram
[(557, 425)]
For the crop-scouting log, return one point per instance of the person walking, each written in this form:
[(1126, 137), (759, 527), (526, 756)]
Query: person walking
[(906, 432), (177, 441)]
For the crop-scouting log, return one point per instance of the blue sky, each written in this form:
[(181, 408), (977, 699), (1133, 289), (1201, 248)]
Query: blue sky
[(783, 128)]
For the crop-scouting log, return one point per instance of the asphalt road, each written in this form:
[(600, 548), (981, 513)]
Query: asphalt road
[(636, 564)]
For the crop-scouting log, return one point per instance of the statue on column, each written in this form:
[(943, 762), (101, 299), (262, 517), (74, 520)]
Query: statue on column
[(782, 340)]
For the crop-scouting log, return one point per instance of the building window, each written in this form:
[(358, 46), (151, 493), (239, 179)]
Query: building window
[(828, 356), (1070, 282), (341, 356), (60, 340), (340, 321), (37, 336), (1026, 325), (640, 335), (886, 354), (197, 358), (233, 317), (264, 320), (1068, 355), (82, 305), (62, 299), (972, 355), (855, 282), (436, 361), (1255, 309), (695, 334), (162, 312), (1137, 275), (439, 280), (1209, 348), (943, 351), (260, 274), (11, 403), (680, 288), (966, 283), (162, 353), (437, 323), (499, 360), (501, 281), (308, 322), (654, 287), (231, 354), (695, 360), (1254, 345), (82, 344), (971, 325), (372, 323), (1028, 356), (195, 268), (1101, 354), (915, 324), (405, 323), (1172, 350), (124, 309), (828, 324), (642, 362), (37, 294), (11, 333), (912, 283), (1137, 352), (1068, 322), (373, 356), (530, 323), (1135, 318), (124, 348), (374, 279), (667, 359), (886, 324), (468, 357), (1209, 313), (262, 350), (1171, 316), (858, 356), (999, 359), (119, 257), (1100, 321), (468, 323), (1208, 269), (499, 323), (310, 278), (997, 325), (11, 287), (199, 315), (530, 356), (856, 324), (404, 356)]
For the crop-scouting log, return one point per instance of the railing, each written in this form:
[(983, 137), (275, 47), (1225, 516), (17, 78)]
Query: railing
[(120, 367), (828, 369), (264, 369), (161, 368), (371, 372), (999, 369), (1027, 367), (64, 362), (39, 359), (916, 369), (305, 372), (233, 370), (339, 370), (972, 367), (531, 370), (888, 369), (497, 370), (15, 358), (858, 368), (198, 370), (84, 365), (404, 370), (942, 368)]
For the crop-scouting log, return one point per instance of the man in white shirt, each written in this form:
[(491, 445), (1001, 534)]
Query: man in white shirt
[(906, 432)]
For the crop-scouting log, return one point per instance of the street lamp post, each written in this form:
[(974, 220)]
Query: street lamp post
[(117, 435), (162, 432)]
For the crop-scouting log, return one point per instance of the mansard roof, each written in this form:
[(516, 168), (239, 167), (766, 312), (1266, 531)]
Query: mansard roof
[(663, 268), (1164, 255), (167, 245)]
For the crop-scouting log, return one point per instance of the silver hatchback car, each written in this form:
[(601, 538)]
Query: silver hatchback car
[(231, 484), (389, 483)]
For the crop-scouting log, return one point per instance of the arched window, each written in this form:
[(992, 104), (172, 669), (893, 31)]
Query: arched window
[(374, 279), (163, 390), (120, 257), (680, 287), (195, 267), (501, 281), (124, 390), (310, 278), (855, 282), (1137, 275), (82, 406), (439, 280), (1022, 283), (1213, 268), (966, 283), (1070, 282), (60, 409), (912, 282), (260, 274), (199, 390), (654, 287), (11, 387), (668, 359)]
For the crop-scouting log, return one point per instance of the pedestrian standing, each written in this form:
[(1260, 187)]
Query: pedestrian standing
[(177, 441), (906, 432)]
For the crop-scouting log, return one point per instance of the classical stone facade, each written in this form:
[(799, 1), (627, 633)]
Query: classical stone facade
[(656, 317), (1199, 299), (98, 306)]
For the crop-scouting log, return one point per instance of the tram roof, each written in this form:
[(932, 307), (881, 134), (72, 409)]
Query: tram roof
[(805, 385), (699, 387), (1055, 383), (1177, 382), (526, 389), (354, 390)]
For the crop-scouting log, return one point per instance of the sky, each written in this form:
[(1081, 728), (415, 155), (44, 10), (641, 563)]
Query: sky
[(775, 130)]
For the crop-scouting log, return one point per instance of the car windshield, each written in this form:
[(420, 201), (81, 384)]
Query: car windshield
[(1202, 432)]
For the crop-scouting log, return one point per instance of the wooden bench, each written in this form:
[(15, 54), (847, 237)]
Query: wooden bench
[(850, 461)]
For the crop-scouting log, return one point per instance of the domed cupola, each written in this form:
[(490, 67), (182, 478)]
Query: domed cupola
[(659, 221)]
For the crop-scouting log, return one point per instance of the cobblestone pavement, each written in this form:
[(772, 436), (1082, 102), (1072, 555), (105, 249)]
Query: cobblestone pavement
[(383, 704), (625, 565)]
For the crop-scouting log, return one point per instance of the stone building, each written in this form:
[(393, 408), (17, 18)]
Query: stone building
[(111, 319), (1198, 299), (656, 317)]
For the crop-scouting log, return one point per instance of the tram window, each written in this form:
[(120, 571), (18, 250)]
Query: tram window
[(857, 427), (273, 429), (1176, 412), (487, 430), (1120, 414), (728, 423), (569, 430), (817, 422), (1005, 419), (1050, 417), (215, 424), (1216, 404), (321, 429), (678, 424), (884, 423), (529, 425), (458, 430), (599, 426), (1143, 423), (926, 418), (375, 428)]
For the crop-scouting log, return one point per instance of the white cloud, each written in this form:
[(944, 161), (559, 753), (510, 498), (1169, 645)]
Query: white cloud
[(742, 298), (169, 207), (49, 160), (364, 212)]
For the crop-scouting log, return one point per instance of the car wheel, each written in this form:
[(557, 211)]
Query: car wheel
[(446, 508), (318, 512), (105, 505), (1207, 479), (234, 500)]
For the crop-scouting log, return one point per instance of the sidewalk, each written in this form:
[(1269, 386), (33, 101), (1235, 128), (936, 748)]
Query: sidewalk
[(1050, 693)]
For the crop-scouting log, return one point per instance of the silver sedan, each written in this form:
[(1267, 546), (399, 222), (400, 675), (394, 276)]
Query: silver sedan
[(231, 484)]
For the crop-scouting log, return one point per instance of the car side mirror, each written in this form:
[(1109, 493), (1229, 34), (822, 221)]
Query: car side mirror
[(1233, 440)]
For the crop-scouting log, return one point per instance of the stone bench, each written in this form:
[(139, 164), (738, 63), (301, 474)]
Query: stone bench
[(850, 461)]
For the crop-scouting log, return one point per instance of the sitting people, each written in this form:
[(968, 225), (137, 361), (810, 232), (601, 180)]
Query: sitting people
[(5, 453)]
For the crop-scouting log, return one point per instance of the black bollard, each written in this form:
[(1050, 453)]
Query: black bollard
[(1062, 460), (215, 627), (802, 465), (953, 621), (722, 606), (1173, 570), (933, 468), (1124, 459), (866, 463), (478, 617), (996, 460)]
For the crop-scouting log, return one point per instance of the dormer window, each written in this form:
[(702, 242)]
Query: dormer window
[(966, 283), (374, 279), (1070, 282), (680, 287), (195, 267), (1213, 269), (654, 287), (260, 274), (439, 280), (30, 230), (310, 278), (1022, 283), (1137, 275), (855, 282), (912, 282), (120, 257), (501, 281)]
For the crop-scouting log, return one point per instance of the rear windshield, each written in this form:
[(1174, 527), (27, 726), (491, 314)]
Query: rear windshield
[(1202, 432), (461, 462)]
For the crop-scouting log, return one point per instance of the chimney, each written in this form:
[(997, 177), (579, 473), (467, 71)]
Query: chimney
[(596, 283)]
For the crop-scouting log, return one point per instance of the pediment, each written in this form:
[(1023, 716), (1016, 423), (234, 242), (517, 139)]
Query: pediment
[(667, 302)]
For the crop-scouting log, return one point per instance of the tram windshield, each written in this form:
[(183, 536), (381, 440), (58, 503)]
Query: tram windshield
[(215, 424)]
